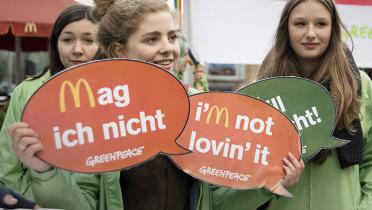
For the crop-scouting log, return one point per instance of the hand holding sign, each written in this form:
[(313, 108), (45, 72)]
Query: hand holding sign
[(237, 141), (307, 104), (108, 115)]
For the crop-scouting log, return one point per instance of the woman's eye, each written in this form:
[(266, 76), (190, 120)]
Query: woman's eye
[(173, 37), (67, 40), (89, 41), (151, 40), (300, 24), (322, 24)]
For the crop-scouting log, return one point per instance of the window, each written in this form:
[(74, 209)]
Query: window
[(225, 72)]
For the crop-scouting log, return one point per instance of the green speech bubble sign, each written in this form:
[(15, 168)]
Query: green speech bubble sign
[(308, 104)]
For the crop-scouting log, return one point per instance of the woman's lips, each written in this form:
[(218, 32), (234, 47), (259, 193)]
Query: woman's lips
[(167, 67), (168, 64), (310, 45), (76, 62)]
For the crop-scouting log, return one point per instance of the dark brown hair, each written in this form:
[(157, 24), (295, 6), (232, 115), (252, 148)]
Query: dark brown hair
[(71, 14)]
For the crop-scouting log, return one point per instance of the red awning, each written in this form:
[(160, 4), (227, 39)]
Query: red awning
[(30, 18), (7, 42)]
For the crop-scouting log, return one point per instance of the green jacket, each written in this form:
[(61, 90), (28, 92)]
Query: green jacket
[(62, 189), (321, 187)]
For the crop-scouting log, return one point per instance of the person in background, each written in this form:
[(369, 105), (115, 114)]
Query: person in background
[(200, 79), (184, 60), (72, 41), (308, 44)]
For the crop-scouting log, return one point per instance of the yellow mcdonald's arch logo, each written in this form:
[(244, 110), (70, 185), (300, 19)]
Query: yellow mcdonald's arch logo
[(30, 27), (218, 115), (75, 91)]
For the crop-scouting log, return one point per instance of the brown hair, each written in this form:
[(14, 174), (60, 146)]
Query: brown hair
[(334, 64), (119, 19)]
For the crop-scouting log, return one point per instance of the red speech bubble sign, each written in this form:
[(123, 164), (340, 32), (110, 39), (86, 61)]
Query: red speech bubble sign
[(108, 115), (237, 141)]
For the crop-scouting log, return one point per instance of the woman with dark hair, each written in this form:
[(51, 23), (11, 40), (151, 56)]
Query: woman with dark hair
[(72, 42), (308, 44), (70, 15)]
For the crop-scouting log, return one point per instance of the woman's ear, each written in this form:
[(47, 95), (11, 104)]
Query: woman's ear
[(119, 50)]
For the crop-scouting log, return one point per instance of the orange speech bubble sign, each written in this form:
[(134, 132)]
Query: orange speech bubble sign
[(108, 115), (237, 141)]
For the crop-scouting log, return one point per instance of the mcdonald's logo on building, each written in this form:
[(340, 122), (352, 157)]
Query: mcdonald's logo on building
[(75, 92), (218, 115), (30, 27)]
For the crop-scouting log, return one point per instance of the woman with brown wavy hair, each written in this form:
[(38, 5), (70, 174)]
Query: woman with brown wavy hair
[(318, 53), (308, 44)]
